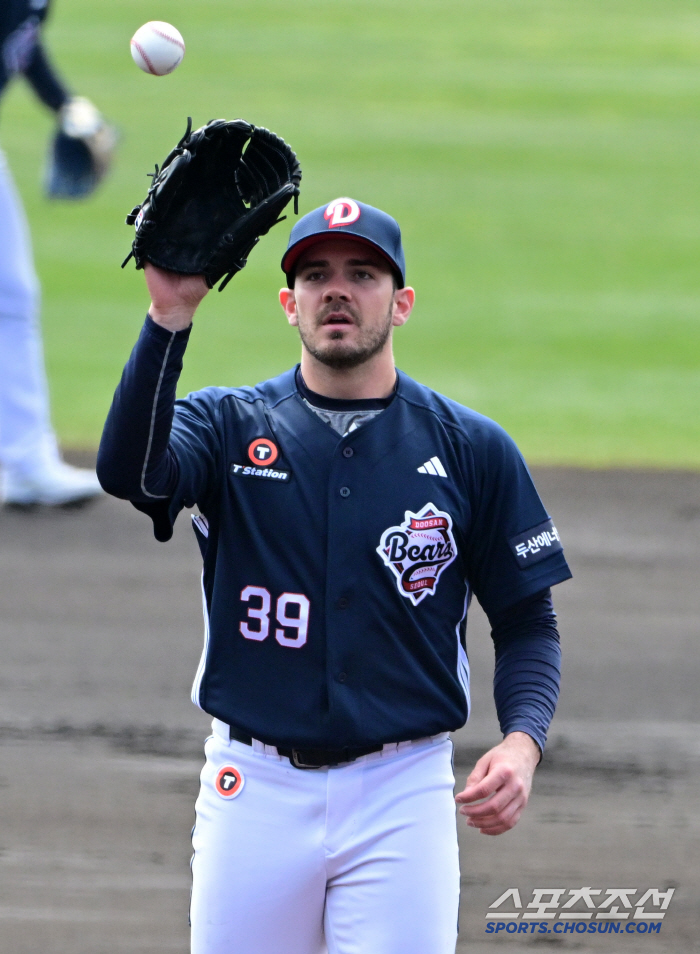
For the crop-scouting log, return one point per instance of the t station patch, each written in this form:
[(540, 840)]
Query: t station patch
[(418, 551), (263, 452), (267, 473), (229, 781)]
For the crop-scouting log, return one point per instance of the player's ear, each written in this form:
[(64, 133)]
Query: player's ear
[(404, 299), (289, 303)]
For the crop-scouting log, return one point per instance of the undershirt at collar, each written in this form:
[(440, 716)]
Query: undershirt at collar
[(343, 416)]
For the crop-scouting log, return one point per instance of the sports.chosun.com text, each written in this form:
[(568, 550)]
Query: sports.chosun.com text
[(574, 927)]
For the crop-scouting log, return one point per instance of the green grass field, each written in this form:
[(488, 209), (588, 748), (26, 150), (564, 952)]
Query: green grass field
[(542, 157)]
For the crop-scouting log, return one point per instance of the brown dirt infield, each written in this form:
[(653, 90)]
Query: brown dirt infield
[(100, 746)]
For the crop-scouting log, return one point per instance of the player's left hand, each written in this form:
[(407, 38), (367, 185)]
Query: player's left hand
[(498, 788)]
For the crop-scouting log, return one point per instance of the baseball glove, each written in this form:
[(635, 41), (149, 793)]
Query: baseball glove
[(221, 188), (80, 152)]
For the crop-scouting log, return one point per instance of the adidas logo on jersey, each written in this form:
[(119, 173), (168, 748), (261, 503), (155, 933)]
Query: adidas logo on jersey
[(434, 467)]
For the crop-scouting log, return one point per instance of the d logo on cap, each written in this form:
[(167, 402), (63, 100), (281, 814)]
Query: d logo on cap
[(342, 212)]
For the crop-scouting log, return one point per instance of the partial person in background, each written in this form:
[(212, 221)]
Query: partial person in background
[(32, 471)]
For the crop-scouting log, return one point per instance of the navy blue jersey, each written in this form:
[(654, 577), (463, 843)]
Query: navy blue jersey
[(338, 570)]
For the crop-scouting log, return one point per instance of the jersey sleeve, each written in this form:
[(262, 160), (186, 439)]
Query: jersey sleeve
[(159, 453), (196, 444), (514, 549), (187, 469), (528, 666)]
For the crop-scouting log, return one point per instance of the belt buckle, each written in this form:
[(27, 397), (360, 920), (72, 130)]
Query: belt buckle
[(297, 763)]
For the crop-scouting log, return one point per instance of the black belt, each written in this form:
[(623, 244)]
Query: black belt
[(312, 758)]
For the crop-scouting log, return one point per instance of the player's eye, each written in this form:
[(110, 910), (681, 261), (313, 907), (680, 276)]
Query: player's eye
[(363, 275)]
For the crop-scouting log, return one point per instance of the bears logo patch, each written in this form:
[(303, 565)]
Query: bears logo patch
[(229, 781), (418, 551)]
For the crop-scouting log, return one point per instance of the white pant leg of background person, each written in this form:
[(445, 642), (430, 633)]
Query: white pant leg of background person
[(32, 471), (355, 859)]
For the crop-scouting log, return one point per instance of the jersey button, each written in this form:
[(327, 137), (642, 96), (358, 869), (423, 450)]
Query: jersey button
[(342, 676), (348, 452), (343, 602), (344, 491)]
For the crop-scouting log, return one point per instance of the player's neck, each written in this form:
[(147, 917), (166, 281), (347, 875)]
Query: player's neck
[(375, 378)]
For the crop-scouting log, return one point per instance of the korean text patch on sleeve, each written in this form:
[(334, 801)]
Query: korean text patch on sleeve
[(535, 544)]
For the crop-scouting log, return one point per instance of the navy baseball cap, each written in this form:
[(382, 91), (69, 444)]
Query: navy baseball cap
[(347, 219)]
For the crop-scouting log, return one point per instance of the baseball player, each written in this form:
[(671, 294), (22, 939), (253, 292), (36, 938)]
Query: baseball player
[(31, 468), (346, 516)]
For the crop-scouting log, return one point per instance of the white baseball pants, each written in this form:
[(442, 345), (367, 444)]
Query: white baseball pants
[(357, 859), (25, 429)]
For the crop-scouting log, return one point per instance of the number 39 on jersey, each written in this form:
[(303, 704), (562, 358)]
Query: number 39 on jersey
[(291, 613)]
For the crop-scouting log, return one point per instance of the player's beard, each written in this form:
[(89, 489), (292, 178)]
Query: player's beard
[(343, 357)]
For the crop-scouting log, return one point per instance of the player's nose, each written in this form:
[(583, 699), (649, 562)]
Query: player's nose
[(336, 291)]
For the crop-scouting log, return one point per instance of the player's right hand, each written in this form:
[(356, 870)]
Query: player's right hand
[(174, 297)]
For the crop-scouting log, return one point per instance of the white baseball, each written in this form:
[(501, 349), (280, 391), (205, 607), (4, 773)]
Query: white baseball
[(157, 48)]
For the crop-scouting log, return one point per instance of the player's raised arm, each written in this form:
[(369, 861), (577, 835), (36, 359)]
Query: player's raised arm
[(207, 207), (135, 460)]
